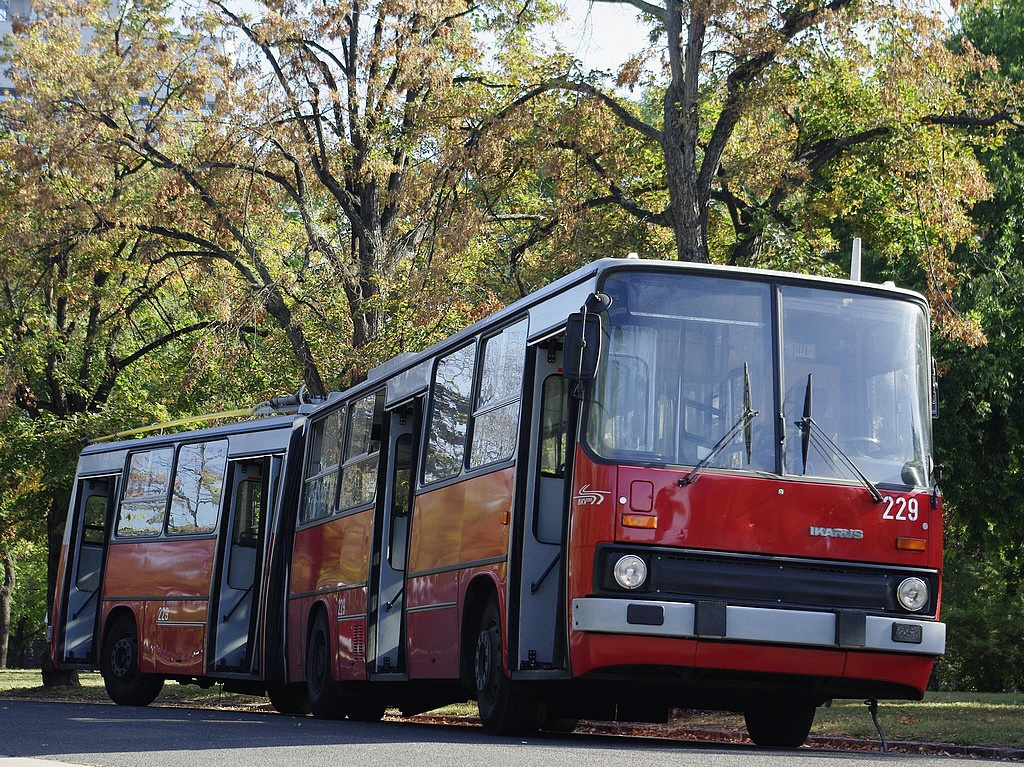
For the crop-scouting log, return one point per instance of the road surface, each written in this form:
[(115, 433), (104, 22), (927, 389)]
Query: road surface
[(116, 736)]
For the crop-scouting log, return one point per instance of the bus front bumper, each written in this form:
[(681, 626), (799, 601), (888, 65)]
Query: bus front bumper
[(845, 629)]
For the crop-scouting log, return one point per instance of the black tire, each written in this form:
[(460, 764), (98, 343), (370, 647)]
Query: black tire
[(504, 708), (782, 725), (289, 699), (324, 698), (119, 665)]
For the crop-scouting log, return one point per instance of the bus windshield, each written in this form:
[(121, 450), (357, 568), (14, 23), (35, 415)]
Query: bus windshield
[(865, 357), (686, 357)]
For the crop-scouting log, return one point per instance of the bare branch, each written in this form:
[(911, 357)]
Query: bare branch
[(575, 86), (1008, 116), (118, 365), (641, 5)]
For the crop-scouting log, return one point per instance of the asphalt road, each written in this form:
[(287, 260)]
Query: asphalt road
[(94, 734)]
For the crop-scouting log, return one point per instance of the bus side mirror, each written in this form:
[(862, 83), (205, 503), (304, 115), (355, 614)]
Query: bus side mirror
[(582, 348)]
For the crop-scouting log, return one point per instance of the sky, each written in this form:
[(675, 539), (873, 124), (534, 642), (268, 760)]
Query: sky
[(601, 34)]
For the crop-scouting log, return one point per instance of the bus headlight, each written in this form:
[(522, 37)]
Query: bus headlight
[(630, 572), (912, 594)]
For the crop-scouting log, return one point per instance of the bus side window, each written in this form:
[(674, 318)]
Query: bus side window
[(322, 467), (198, 487), (245, 525), (553, 425), (95, 519), (359, 474), (449, 416), (402, 505), (496, 419), (91, 551), (145, 494)]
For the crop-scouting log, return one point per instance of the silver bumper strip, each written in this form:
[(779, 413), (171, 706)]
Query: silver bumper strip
[(759, 624)]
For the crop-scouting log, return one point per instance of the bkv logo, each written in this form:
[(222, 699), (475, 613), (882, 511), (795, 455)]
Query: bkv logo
[(588, 497)]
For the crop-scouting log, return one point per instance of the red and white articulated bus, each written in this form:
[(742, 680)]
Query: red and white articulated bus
[(648, 485)]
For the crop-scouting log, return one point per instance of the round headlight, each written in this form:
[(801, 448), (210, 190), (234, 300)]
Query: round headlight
[(630, 572), (912, 594)]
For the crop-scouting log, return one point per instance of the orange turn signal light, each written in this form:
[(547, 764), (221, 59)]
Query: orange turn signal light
[(639, 520), (911, 544)]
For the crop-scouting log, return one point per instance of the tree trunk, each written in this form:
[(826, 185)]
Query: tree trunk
[(688, 201), (746, 249), (54, 677), (6, 591), (687, 211), (690, 225), (371, 263)]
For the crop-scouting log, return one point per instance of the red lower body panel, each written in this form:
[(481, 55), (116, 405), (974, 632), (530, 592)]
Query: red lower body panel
[(889, 673)]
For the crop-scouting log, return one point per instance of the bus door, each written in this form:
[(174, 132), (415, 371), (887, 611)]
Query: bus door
[(394, 508), (542, 617), (90, 531), (235, 619)]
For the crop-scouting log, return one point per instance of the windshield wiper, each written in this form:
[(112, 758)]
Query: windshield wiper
[(810, 431), (742, 424)]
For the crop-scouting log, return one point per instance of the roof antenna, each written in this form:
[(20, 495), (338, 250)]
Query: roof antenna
[(855, 261)]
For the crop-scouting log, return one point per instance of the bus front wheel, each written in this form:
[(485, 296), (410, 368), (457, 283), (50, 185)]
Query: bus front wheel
[(785, 724), (324, 698), (119, 665), (504, 708)]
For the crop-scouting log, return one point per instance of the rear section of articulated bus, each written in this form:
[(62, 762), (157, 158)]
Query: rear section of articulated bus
[(754, 521), (178, 571)]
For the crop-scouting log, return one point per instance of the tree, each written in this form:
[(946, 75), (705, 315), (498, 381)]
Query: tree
[(6, 594), (330, 156), (980, 433), (768, 123)]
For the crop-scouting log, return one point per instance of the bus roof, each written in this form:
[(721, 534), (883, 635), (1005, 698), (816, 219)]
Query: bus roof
[(240, 427)]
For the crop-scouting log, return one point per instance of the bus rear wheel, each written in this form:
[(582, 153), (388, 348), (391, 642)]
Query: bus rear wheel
[(504, 708), (119, 665), (324, 698), (785, 724)]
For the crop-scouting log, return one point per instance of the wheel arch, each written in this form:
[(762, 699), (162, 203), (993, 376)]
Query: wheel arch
[(117, 613), (481, 589)]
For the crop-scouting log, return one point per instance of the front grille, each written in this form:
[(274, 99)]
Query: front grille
[(767, 581)]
